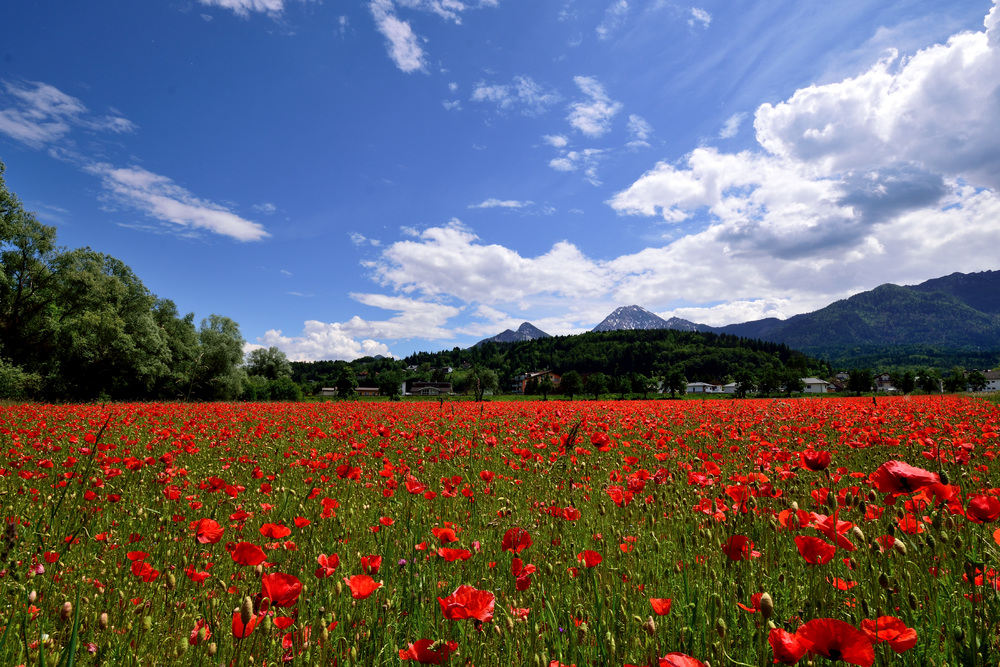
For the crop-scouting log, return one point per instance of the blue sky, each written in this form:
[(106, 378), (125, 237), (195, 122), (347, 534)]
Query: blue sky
[(383, 176)]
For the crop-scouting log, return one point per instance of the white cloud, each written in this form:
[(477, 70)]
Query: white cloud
[(523, 93), (502, 203), (732, 126), (639, 131), (319, 341), (699, 17), (556, 140), (244, 7), (404, 46), (592, 117), (161, 198), (266, 207), (614, 18), (40, 114), (939, 108), (586, 160)]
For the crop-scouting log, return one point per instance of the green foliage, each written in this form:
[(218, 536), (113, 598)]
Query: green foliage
[(346, 382), (218, 371), (270, 363), (571, 384), (976, 381), (390, 384), (859, 381), (597, 384), (481, 381)]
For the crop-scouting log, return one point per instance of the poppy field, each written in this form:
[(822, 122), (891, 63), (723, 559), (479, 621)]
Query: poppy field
[(660, 533)]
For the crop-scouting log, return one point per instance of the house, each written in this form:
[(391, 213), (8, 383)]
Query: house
[(729, 388), (366, 391), (519, 383), (328, 391), (430, 389), (992, 380), (884, 383), (703, 388), (817, 386)]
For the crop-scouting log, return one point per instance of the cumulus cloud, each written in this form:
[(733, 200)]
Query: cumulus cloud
[(887, 176), (358, 337), (614, 18), (593, 116), (161, 198), (556, 140), (523, 94)]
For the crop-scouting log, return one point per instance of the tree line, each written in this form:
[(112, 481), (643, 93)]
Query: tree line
[(76, 324)]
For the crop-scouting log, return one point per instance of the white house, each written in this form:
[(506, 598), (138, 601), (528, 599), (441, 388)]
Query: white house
[(816, 386), (703, 388), (992, 380)]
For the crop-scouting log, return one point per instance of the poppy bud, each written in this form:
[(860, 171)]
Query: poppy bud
[(181, 647), (865, 608), (766, 606), (213, 648), (831, 501), (720, 628), (66, 610), (891, 529), (944, 537), (944, 477), (958, 544), (912, 601), (147, 623), (883, 581), (858, 534), (931, 543), (171, 582), (862, 506), (649, 627), (510, 624), (899, 547), (246, 610), (102, 621), (32, 596)]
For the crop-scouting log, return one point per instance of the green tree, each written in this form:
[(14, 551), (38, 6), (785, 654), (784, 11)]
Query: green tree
[(483, 381), (597, 384), (859, 381), (620, 384), (642, 384), (792, 381), (571, 384), (745, 382), (977, 381), (904, 382), (956, 381), (930, 380), (390, 383), (769, 380), (674, 381), (182, 350), (218, 371), (346, 382), (270, 363), (544, 386), (284, 388)]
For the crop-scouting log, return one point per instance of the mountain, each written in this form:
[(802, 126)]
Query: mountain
[(527, 331), (976, 290)]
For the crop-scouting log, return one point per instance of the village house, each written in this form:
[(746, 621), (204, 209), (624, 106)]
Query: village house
[(519, 383)]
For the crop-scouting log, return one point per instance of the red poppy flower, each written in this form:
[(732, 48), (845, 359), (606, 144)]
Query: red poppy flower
[(814, 550), (816, 460), (589, 558), (428, 651), (275, 531), (239, 629), (468, 602), (571, 514), (680, 660), (838, 640), (301, 522), (899, 477), (788, 648), (281, 589), (739, 547), (661, 606), (362, 586), (248, 554), (197, 635), (451, 555), (890, 629), (207, 531), (371, 564), (754, 603), (983, 509), (516, 540), (327, 565), (196, 576)]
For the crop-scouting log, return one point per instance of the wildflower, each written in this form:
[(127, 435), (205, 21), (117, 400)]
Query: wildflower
[(468, 602), (661, 606), (838, 640), (207, 531), (892, 630), (788, 648), (281, 589), (516, 540), (327, 565), (428, 651), (589, 558), (362, 586)]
